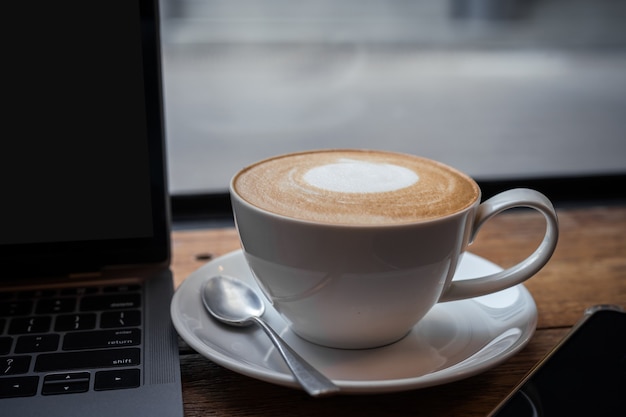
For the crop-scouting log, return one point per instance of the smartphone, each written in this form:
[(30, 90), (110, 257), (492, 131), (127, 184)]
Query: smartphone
[(584, 375)]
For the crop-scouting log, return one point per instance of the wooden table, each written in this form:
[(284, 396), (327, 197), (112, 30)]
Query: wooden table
[(588, 267)]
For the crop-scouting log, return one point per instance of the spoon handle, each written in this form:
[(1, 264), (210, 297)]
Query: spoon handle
[(310, 378)]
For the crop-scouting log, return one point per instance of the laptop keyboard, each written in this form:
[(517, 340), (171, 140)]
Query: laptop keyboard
[(64, 341)]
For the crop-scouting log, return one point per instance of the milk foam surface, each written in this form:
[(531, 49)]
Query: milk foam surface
[(356, 187), (356, 176)]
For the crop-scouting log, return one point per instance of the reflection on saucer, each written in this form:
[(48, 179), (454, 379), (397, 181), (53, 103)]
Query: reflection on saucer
[(503, 299)]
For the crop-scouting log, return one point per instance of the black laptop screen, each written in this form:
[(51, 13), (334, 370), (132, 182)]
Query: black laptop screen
[(81, 160)]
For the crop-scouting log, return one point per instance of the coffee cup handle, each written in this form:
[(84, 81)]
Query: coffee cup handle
[(519, 273)]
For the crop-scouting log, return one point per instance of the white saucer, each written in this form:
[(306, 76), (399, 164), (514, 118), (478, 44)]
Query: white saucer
[(455, 340)]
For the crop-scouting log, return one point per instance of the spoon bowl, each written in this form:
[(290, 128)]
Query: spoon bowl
[(231, 301)]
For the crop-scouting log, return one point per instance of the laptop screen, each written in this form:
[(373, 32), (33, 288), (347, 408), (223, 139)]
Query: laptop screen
[(82, 160)]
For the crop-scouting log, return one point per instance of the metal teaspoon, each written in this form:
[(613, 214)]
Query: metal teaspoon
[(233, 302)]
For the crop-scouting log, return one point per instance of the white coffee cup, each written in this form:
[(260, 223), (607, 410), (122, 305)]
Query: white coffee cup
[(354, 247)]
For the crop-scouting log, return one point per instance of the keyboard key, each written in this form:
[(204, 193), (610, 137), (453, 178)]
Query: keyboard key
[(117, 379), (112, 319), (53, 362), (55, 305), (14, 365), (3, 323), (122, 288), (66, 377), (101, 339), (71, 322), (110, 302), (16, 308), (23, 386), (39, 343), (37, 294), (67, 383), (25, 325), (67, 388), (5, 345), (79, 291)]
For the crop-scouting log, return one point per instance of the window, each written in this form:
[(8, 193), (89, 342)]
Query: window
[(499, 89)]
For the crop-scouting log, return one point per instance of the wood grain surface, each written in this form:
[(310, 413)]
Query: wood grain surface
[(588, 267)]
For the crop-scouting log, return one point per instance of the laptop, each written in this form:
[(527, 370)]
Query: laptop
[(85, 284)]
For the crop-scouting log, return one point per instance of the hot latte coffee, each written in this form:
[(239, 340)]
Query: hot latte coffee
[(356, 187)]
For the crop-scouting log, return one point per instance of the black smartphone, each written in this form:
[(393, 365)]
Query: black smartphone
[(584, 375)]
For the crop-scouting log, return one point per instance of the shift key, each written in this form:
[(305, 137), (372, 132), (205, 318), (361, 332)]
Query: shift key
[(52, 362)]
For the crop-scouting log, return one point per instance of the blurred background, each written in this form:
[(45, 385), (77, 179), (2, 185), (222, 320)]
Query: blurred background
[(501, 89)]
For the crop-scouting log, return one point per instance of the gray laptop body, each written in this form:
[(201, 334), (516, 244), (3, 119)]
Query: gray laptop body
[(85, 284)]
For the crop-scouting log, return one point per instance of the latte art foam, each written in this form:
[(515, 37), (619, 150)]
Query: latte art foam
[(355, 176), (356, 187)]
